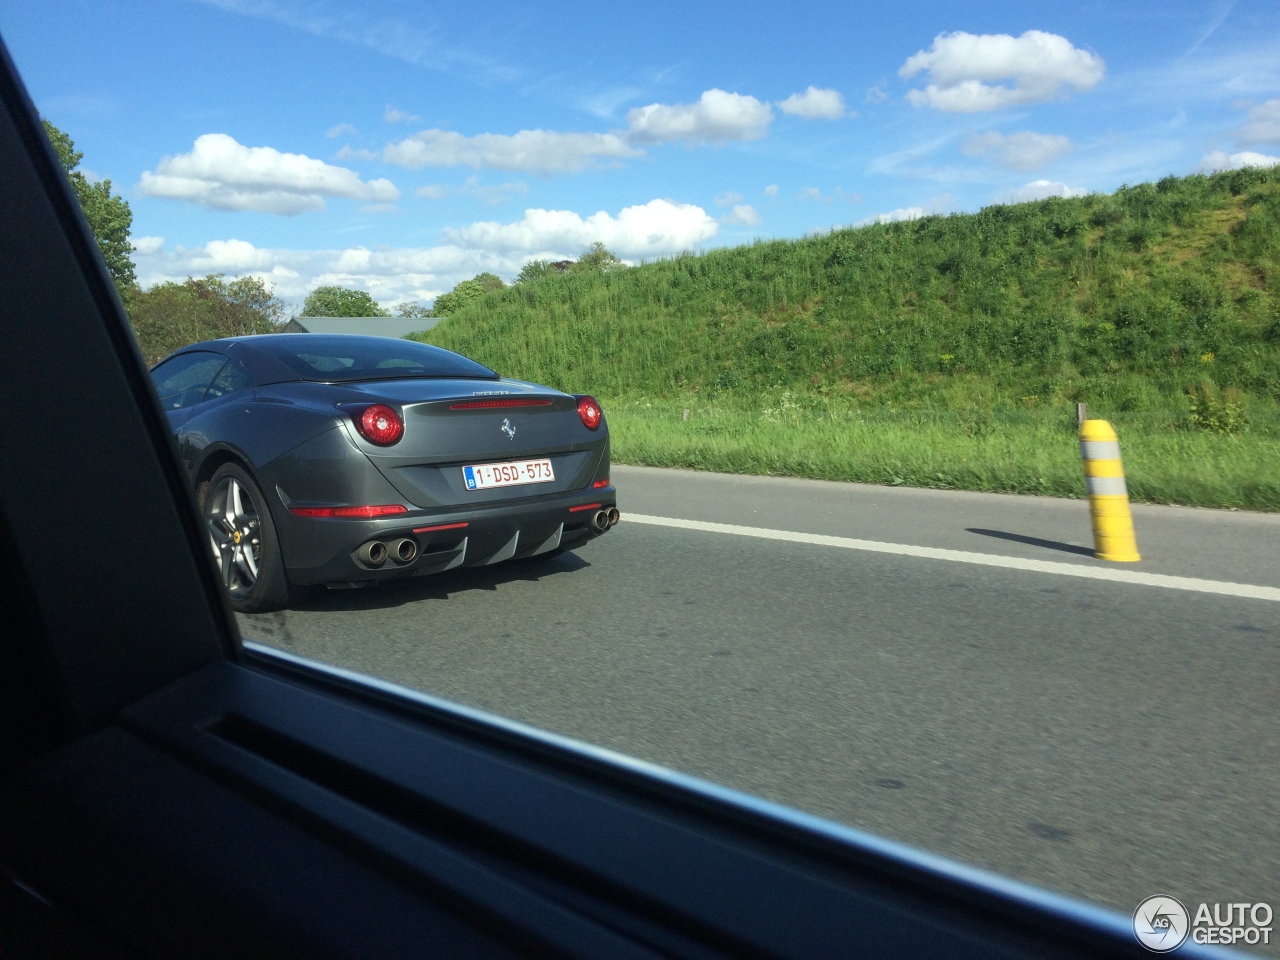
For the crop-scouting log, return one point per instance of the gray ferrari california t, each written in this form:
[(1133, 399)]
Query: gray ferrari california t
[(342, 460)]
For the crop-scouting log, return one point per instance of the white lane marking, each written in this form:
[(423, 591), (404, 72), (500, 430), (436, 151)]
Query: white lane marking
[(965, 556)]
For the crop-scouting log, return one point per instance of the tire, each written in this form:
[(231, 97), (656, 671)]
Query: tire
[(242, 535)]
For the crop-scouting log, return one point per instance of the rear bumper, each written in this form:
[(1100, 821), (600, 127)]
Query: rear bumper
[(443, 540)]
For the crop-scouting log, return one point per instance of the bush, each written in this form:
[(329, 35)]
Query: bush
[(1050, 299), (1212, 412)]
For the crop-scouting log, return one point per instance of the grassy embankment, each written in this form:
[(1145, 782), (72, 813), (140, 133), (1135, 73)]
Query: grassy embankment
[(945, 352)]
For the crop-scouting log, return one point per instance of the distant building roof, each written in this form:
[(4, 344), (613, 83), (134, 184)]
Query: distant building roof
[(370, 326)]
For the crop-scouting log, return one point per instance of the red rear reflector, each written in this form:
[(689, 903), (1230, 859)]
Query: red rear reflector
[(590, 412), (442, 526), (585, 506), (498, 403), (384, 510), (380, 424), (600, 483)]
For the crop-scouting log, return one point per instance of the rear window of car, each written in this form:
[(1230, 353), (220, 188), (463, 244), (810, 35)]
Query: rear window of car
[(343, 359)]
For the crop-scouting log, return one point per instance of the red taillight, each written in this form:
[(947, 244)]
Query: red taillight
[(365, 513), (498, 403), (600, 483), (380, 424), (590, 412), (440, 526)]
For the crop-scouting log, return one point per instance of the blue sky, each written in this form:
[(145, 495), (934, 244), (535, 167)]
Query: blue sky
[(401, 147)]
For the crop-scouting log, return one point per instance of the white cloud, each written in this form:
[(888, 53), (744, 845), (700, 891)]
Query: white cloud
[(915, 161), (225, 175), (472, 187), (815, 104), (1221, 160), (813, 193), (604, 103), (771, 191), (538, 151), (494, 192), (349, 153), (939, 204), (968, 73), (729, 197), (395, 115), (717, 117), (1224, 11), (1263, 125), (894, 216), (340, 130), (148, 245), (744, 214), (228, 256), (1040, 190), (391, 276), (877, 93), (389, 34), (655, 229), (1021, 151), (400, 275)]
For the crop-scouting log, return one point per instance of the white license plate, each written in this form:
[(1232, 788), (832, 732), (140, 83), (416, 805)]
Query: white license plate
[(485, 475)]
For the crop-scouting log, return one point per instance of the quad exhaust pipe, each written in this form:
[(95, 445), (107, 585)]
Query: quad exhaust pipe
[(403, 550), (372, 554), (604, 519), (375, 553)]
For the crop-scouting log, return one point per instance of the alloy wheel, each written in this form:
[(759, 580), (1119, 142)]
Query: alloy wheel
[(235, 534)]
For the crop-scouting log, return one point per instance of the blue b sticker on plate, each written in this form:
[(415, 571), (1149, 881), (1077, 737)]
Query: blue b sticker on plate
[(469, 474)]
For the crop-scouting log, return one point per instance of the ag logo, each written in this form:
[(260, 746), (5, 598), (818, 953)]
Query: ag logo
[(1161, 924)]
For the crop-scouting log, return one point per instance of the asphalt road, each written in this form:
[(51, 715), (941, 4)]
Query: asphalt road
[(1103, 739)]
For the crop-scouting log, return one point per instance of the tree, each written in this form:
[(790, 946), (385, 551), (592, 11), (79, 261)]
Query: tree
[(537, 269), (534, 270), (172, 315), (341, 302), (109, 216), (598, 257), (466, 292), (413, 309)]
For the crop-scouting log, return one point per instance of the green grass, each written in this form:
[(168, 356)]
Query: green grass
[(1007, 452), (1158, 305)]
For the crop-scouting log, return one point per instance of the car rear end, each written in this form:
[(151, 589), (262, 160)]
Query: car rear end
[(420, 475)]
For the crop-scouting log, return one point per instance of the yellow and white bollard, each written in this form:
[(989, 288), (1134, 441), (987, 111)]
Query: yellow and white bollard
[(1108, 496)]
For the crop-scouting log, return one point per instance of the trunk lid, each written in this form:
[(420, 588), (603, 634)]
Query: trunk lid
[(452, 424)]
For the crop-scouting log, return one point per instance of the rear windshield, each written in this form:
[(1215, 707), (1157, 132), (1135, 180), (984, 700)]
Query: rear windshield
[(343, 359)]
